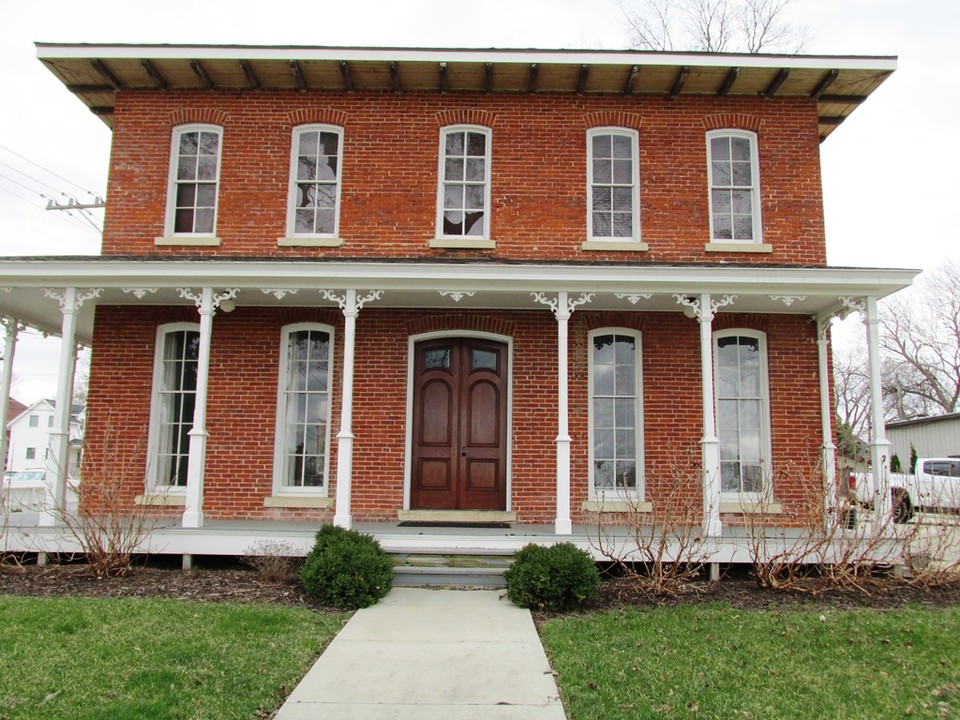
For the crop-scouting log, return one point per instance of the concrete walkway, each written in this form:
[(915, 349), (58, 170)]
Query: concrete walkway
[(430, 654)]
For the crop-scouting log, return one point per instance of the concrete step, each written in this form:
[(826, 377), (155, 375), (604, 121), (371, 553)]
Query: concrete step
[(450, 569)]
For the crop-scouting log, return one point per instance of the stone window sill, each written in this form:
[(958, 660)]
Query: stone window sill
[(309, 242), (751, 507), (738, 247), (294, 501), (162, 500), (615, 246), (463, 244), (188, 240), (615, 506)]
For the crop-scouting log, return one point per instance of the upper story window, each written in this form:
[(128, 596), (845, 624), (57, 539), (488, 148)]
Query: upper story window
[(613, 194), (34, 421), (303, 409), (194, 180), (743, 420), (616, 413), (734, 179), (464, 188), (174, 400), (314, 208)]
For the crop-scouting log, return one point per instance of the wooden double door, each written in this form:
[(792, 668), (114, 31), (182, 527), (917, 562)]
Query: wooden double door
[(459, 425)]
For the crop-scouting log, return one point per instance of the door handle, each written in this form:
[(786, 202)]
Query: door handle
[(463, 451)]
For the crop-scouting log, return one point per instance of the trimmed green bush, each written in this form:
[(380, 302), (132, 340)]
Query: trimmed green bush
[(346, 569), (556, 578)]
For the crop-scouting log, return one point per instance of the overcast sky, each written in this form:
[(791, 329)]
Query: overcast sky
[(890, 177)]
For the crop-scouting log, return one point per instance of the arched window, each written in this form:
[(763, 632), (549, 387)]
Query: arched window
[(315, 168), (743, 414), (616, 413), (613, 188), (194, 180), (302, 456), (734, 179), (463, 195)]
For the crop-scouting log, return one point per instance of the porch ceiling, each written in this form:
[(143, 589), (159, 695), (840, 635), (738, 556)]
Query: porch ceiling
[(451, 286), (95, 73)]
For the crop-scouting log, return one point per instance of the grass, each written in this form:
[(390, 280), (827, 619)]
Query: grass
[(73, 658), (712, 661)]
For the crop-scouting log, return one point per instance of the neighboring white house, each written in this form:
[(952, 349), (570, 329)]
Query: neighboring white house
[(30, 437), (937, 436)]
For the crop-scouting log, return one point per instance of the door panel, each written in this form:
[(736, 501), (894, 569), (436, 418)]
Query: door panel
[(459, 434)]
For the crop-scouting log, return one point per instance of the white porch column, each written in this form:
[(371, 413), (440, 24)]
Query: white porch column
[(11, 327), (207, 303), (563, 308), (704, 308), (351, 306), (879, 447), (58, 458), (828, 451)]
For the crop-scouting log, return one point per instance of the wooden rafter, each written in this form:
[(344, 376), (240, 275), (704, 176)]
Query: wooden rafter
[(346, 75), (776, 83), (534, 77), (252, 80), (444, 79), (488, 77), (678, 83), (106, 74), (728, 82), (201, 73), (394, 76), (631, 82), (154, 74), (298, 74), (822, 86)]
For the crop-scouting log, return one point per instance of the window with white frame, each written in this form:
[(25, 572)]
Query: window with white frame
[(194, 180), (464, 188), (174, 400), (616, 413), (743, 420), (34, 421), (31, 453), (613, 193), (314, 208), (734, 179), (303, 409)]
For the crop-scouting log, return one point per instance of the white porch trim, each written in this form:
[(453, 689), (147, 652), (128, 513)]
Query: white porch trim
[(879, 446), (828, 450), (11, 327)]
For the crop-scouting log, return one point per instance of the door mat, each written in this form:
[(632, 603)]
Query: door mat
[(441, 524)]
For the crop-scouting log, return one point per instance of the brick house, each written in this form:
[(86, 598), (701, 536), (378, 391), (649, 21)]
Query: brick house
[(379, 285)]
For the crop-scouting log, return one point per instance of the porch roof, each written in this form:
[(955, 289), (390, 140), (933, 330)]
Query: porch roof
[(95, 73), (286, 282)]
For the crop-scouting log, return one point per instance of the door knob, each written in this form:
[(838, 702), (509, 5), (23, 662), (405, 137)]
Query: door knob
[(463, 451)]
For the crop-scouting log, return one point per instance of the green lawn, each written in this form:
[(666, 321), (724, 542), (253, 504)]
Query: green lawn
[(72, 658), (712, 661)]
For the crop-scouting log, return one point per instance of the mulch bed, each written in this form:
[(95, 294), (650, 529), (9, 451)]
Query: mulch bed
[(224, 581)]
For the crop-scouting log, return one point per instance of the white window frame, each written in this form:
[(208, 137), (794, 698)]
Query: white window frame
[(756, 218), (465, 240), (615, 493), (34, 421), (766, 453), (299, 238), (279, 454), (154, 433), (170, 218), (634, 137)]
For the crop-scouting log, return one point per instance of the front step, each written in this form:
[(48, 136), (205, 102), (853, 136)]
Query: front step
[(445, 569)]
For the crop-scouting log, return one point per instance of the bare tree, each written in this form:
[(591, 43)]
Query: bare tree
[(920, 338), (752, 26)]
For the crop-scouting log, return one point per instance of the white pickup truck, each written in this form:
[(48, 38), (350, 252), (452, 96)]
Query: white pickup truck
[(934, 487)]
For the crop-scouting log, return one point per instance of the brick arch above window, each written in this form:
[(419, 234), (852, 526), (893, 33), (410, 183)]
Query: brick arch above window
[(753, 321), (462, 322), (190, 116), (317, 116), (625, 319), (466, 116), (613, 118), (739, 121)]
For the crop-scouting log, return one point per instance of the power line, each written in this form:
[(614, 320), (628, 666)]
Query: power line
[(38, 182), (60, 177)]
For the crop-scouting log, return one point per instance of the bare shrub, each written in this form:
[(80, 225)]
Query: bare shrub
[(659, 547), (274, 560), (109, 527), (931, 552)]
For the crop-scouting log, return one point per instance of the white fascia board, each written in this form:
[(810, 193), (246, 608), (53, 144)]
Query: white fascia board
[(877, 282), (53, 51)]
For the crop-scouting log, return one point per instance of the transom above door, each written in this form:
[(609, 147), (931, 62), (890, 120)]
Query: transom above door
[(459, 452)]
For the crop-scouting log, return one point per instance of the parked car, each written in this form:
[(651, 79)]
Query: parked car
[(934, 487)]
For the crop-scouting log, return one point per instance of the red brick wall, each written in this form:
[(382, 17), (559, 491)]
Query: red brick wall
[(243, 395), (389, 171)]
